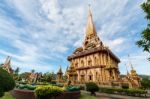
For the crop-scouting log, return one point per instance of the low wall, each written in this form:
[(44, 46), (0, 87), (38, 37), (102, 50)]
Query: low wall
[(28, 94)]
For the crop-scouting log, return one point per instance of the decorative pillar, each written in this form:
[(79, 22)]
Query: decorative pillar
[(94, 75)]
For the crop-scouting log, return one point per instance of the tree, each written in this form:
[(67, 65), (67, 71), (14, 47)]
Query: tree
[(7, 82), (145, 83), (17, 70), (47, 77), (16, 75), (32, 71), (144, 42)]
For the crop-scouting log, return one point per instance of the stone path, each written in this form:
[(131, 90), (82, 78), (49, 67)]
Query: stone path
[(113, 96)]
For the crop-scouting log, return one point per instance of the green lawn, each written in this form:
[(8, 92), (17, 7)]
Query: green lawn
[(7, 96), (87, 96)]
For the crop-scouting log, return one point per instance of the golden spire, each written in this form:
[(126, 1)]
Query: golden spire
[(90, 28), (60, 70), (127, 69), (7, 62)]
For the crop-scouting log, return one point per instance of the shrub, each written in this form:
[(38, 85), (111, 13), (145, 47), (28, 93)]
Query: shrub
[(82, 87), (125, 86), (92, 87), (53, 82), (59, 85), (45, 91), (145, 83), (29, 87), (7, 83), (132, 92), (73, 88)]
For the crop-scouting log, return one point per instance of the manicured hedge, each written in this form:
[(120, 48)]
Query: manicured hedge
[(73, 88), (131, 92), (48, 91), (27, 86)]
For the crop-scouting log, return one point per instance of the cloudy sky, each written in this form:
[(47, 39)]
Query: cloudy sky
[(40, 34)]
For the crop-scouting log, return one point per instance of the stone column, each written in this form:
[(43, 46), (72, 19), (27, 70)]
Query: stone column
[(86, 76), (94, 75), (101, 59), (78, 72), (114, 73), (104, 75)]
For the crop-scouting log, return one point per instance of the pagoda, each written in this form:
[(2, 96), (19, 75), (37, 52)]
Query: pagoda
[(93, 62), (7, 65)]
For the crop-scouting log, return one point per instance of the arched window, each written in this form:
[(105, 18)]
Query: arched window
[(82, 63), (90, 62), (95, 60), (76, 65)]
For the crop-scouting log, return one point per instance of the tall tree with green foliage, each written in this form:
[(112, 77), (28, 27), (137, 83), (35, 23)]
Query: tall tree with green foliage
[(7, 82), (144, 42)]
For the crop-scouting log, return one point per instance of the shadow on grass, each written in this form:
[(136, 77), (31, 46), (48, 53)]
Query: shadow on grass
[(87, 96)]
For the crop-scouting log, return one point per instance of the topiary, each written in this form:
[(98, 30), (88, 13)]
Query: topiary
[(73, 88), (48, 91), (7, 82), (92, 87)]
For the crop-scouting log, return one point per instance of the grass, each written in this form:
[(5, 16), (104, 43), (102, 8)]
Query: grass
[(7, 96), (87, 96), (83, 96)]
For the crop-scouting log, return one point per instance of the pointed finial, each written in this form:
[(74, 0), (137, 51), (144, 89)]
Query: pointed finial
[(130, 62), (90, 28), (90, 12), (126, 68), (60, 70), (7, 59)]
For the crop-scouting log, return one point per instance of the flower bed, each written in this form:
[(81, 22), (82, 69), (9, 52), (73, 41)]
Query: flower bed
[(29, 94)]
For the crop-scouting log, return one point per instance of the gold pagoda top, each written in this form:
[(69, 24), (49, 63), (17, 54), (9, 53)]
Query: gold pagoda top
[(90, 28), (59, 71)]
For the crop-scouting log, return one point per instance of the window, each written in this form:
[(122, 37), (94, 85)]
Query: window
[(90, 77), (76, 65), (82, 63), (95, 59), (89, 62)]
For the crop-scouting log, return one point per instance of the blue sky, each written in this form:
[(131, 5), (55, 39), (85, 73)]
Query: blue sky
[(40, 34)]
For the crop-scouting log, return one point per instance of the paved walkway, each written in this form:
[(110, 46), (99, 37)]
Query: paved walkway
[(113, 96)]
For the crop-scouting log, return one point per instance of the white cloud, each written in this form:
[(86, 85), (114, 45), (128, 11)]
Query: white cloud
[(139, 62), (52, 28)]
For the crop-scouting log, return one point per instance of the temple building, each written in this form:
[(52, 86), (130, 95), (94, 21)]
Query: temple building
[(132, 79), (7, 65), (93, 61), (59, 78)]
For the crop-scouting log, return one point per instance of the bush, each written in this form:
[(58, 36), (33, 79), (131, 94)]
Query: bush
[(29, 87), (92, 87), (82, 87), (73, 88), (125, 86), (7, 82), (53, 82), (132, 92), (145, 83), (44, 91)]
